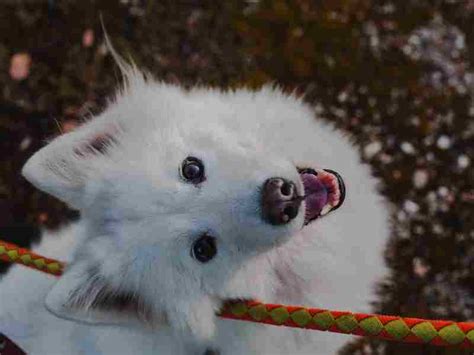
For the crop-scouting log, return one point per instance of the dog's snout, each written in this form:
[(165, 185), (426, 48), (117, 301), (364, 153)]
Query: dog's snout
[(280, 202)]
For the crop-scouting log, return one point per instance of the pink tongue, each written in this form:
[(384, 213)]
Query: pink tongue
[(316, 195)]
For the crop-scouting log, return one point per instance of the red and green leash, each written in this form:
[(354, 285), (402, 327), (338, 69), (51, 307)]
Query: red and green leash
[(405, 330)]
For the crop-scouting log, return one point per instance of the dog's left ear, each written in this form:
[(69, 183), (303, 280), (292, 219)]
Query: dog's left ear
[(83, 295)]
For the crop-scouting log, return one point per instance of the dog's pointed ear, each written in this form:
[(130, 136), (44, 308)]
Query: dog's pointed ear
[(62, 167), (83, 295)]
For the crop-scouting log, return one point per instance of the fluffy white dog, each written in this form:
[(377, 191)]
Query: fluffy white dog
[(188, 198)]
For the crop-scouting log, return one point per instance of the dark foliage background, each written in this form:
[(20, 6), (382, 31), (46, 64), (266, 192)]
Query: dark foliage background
[(396, 74)]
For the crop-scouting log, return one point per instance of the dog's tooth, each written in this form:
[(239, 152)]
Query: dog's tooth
[(326, 209)]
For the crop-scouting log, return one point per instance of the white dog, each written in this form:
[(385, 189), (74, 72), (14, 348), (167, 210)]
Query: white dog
[(189, 198)]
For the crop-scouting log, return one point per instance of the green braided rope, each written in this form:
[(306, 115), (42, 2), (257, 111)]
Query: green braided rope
[(12, 253), (411, 330)]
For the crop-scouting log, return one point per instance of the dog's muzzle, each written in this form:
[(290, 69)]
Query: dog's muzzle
[(324, 191)]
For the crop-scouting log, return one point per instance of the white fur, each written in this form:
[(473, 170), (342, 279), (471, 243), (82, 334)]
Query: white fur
[(139, 219)]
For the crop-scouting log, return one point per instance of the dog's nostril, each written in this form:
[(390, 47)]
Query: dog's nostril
[(290, 211), (286, 189), (279, 201)]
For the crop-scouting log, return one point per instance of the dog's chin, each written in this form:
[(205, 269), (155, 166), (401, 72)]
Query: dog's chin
[(324, 192)]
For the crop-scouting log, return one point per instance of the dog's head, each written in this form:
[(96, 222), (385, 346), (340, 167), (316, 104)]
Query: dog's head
[(177, 189)]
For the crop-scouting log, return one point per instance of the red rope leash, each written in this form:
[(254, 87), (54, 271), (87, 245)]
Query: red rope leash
[(406, 330), (13, 253)]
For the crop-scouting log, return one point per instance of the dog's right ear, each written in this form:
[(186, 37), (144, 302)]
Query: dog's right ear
[(63, 167), (82, 294)]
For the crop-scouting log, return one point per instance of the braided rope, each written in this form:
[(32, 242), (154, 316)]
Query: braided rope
[(13, 253), (406, 330)]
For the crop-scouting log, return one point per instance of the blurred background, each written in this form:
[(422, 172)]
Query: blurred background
[(397, 75)]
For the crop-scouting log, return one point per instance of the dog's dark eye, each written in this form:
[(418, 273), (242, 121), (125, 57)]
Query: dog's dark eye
[(192, 170), (204, 249)]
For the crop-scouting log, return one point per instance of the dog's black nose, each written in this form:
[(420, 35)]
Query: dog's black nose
[(280, 202)]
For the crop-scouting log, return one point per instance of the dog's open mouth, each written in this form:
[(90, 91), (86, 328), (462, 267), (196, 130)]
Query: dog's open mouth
[(324, 191)]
